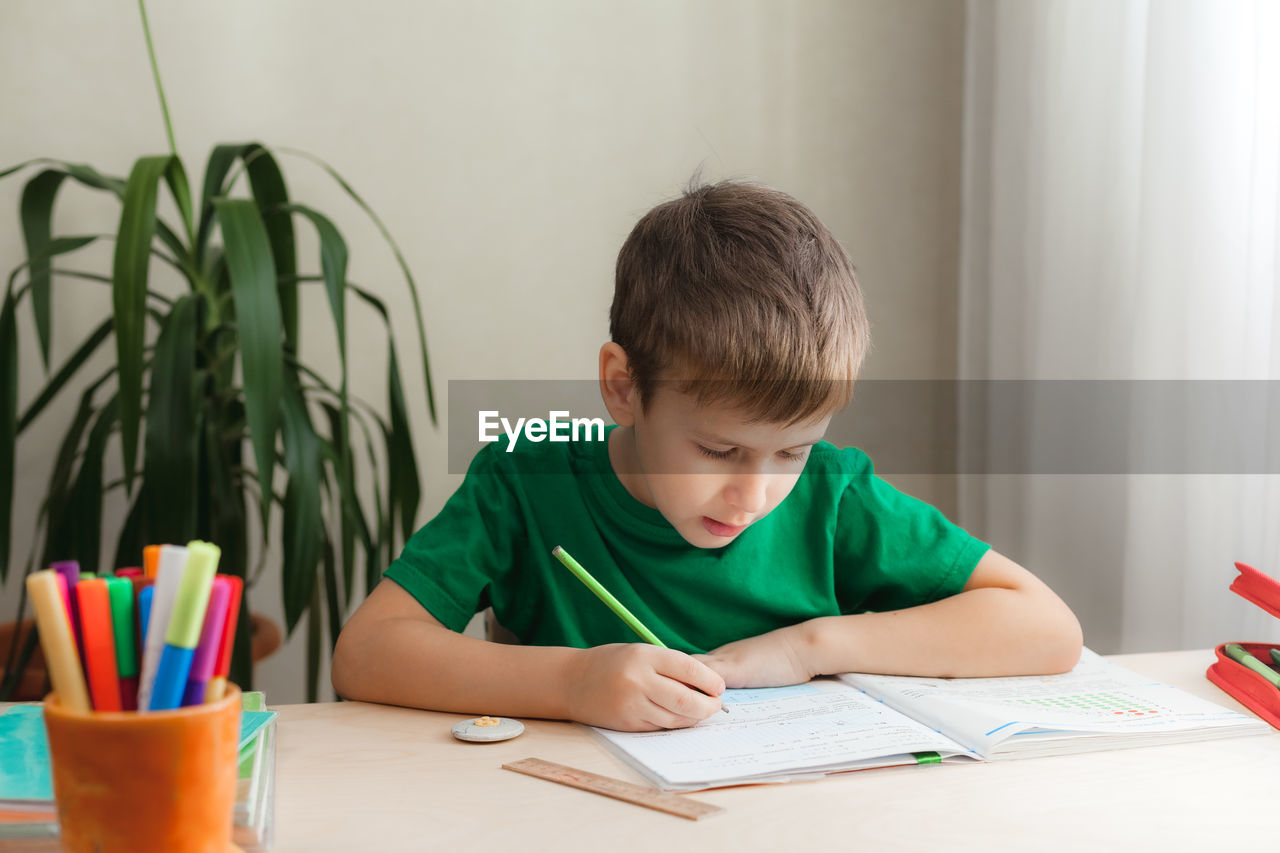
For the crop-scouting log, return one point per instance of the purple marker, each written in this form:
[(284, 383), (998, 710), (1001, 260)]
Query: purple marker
[(69, 571), (215, 616)]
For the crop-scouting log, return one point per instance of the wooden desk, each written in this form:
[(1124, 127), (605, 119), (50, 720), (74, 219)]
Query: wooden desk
[(358, 777)]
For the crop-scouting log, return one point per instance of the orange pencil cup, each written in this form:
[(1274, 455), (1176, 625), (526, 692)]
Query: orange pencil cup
[(159, 782)]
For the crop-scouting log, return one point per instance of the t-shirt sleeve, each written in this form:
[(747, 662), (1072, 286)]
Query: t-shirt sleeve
[(451, 562), (895, 551)]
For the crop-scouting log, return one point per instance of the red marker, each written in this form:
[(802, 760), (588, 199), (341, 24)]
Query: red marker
[(98, 634)]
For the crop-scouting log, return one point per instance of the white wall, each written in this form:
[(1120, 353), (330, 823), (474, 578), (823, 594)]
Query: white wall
[(509, 147)]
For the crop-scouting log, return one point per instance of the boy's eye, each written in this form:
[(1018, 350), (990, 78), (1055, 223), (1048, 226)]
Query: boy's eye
[(784, 455)]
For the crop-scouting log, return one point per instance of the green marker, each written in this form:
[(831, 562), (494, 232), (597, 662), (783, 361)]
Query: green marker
[(1236, 652), (1275, 655), (604, 595), (120, 593)]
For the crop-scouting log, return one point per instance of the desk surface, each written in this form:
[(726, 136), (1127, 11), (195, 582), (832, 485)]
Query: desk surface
[(353, 776)]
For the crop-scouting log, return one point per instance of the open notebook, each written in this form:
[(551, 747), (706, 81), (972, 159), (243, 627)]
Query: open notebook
[(857, 721)]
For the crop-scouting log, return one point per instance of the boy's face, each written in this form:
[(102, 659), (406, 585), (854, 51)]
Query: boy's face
[(706, 469)]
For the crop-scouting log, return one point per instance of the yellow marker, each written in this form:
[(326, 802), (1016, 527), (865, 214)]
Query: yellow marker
[(56, 640), (215, 690)]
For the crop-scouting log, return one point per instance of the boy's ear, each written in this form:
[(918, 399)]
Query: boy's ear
[(616, 386)]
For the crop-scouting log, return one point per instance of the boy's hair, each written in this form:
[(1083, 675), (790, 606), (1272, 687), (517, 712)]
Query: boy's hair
[(739, 294)]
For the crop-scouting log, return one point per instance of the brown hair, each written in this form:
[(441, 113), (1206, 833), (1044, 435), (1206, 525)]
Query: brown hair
[(741, 295)]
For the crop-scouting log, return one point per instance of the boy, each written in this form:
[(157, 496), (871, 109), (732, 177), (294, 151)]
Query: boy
[(759, 554)]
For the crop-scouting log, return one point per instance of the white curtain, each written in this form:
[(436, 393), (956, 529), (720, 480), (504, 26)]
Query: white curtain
[(1120, 223)]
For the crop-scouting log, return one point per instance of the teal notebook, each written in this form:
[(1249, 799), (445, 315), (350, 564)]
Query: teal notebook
[(24, 753)]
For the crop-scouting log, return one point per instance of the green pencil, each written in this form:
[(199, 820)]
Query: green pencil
[(604, 595), (614, 604)]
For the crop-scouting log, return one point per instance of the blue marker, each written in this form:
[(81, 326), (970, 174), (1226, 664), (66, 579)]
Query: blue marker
[(144, 608), (185, 623)]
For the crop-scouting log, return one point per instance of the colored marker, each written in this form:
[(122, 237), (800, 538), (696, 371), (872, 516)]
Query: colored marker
[(151, 560), (215, 618), (57, 641), (1237, 652), (98, 634), (120, 591), (604, 595), (145, 597), (222, 666), (1275, 655), (172, 564), (65, 594), (70, 571), (129, 572), (185, 622)]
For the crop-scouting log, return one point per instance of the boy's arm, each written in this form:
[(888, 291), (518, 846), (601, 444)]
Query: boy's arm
[(1005, 622), (393, 651)]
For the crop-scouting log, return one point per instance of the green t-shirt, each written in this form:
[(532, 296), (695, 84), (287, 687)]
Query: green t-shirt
[(844, 541)]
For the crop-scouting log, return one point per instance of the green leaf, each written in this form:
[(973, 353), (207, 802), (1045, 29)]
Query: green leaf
[(129, 297), (253, 285), (354, 522), (313, 644), (171, 465), (68, 369), (85, 505), (176, 177), (8, 422), (60, 531), (270, 194), (133, 533), (331, 595), (53, 248), (272, 197), (333, 265), (402, 463), (221, 159), (37, 230), (303, 519), (404, 268)]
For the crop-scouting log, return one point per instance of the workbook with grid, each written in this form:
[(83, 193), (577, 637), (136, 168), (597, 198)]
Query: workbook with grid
[(857, 721)]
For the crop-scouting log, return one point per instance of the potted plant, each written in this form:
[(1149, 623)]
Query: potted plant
[(207, 399)]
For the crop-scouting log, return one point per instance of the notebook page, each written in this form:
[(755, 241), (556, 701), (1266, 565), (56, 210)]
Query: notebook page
[(775, 733), (1097, 697)]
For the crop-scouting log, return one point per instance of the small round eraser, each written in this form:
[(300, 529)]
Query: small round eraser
[(487, 729)]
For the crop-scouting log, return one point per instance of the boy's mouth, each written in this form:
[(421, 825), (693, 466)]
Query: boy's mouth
[(717, 528)]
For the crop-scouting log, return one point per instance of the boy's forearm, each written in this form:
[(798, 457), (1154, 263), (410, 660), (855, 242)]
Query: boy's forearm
[(416, 664), (981, 632)]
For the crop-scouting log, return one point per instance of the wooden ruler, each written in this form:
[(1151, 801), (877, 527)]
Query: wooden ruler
[(616, 788)]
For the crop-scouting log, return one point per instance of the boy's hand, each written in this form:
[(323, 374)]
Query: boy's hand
[(769, 660), (639, 687)]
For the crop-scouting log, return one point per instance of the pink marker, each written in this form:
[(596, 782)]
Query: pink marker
[(64, 594), (68, 572), (215, 617)]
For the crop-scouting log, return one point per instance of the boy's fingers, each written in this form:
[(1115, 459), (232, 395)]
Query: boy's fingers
[(684, 705), (692, 672)]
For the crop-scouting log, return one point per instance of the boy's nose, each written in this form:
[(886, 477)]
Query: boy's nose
[(747, 492)]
